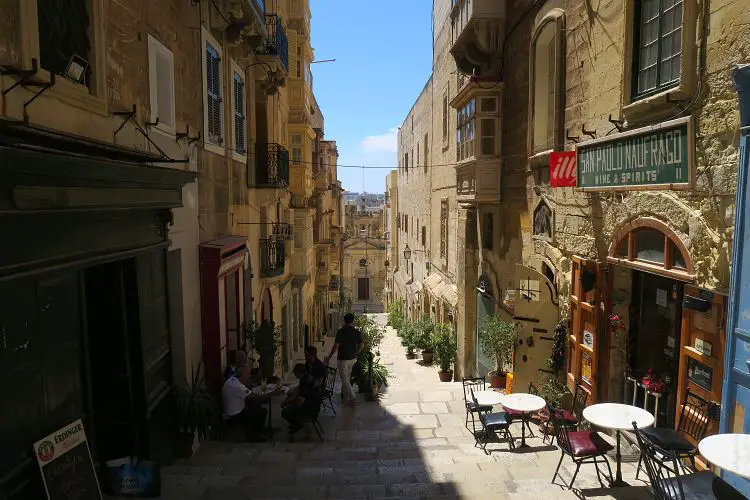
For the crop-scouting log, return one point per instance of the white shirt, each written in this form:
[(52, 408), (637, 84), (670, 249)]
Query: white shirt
[(233, 395)]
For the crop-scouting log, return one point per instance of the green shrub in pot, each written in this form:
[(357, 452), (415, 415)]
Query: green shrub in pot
[(498, 339), (446, 348)]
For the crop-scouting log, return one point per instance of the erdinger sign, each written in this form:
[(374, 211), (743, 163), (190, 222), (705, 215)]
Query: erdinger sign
[(65, 461), (562, 169)]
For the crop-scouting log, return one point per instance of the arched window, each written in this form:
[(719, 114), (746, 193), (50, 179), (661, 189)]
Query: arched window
[(546, 71), (649, 245)]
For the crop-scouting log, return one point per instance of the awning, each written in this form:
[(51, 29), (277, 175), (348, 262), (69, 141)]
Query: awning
[(450, 295), (414, 288), (400, 283), (434, 285)]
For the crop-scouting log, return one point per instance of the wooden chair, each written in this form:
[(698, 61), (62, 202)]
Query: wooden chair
[(492, 423), (666, 482), (470, 385), (581, 446), (695, 416)]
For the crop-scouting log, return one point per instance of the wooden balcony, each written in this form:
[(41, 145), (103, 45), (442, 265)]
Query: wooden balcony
[(478, 181), (478, 30)]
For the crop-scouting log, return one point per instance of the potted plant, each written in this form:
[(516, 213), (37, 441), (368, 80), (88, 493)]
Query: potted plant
[(197, 411), (264, 339), (380, 377), (423, 339), (498, 338), (395, 317), (446, 348), (408, 338)]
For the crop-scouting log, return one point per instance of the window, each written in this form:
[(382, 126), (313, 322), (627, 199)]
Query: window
[(426, 153), (239, 99), (296, 149), (487, 231), (546, 77), (406, 162), (444, 229), (424, 236), (214, 127), (489, 136), (445, 116), (161, 85), (299, 62), (657, 55), (465, 131), (417, 157), (63, 33), (651, 246)]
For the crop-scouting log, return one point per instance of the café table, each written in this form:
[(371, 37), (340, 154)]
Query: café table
[(730, 452), (525, 403), (488, 398), (618, 417), (270, 391)]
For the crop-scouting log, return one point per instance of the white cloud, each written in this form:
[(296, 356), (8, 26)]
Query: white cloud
[(381, 143)]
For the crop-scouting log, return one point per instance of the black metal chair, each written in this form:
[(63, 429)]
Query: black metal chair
[(470, 385), (581, 446), (327, 388), (666, 482), (492, 423), (695, 416)]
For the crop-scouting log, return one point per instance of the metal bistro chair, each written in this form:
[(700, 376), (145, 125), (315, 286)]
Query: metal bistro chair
[(666, 482), (492, 423), (327, 388), (581, 446), (470, 385), (695, 416), (543, 415)]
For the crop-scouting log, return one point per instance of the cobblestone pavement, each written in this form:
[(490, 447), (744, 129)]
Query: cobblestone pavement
[(412, 444)]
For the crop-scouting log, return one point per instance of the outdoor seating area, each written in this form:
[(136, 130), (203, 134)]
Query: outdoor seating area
[(593, 436)]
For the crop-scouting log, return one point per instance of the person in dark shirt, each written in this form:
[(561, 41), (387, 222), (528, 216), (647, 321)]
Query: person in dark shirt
[(313, 366), (348, 343), (303, 401)]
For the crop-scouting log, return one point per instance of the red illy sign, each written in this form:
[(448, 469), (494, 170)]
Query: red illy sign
[(562, 169)]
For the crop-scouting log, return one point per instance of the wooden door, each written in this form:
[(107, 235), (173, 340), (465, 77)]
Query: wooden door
[(363, 289), (585, 344)]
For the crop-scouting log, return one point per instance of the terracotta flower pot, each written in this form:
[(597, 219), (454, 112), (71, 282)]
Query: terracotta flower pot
[(427, 357), (497, 379), (446, 376)]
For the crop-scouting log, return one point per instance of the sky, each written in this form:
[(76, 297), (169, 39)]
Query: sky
[(383, 52)]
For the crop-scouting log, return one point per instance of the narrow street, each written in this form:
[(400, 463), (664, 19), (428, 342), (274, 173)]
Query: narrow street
[(412, 444)]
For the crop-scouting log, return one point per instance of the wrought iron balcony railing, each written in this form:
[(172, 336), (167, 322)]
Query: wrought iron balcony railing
[(276, 42), (271, 257), (272, 166)]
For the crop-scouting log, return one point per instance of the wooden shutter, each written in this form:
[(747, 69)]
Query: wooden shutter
[(213, 86), (292, 36), (239, 113), (585, 344), (164, 88)]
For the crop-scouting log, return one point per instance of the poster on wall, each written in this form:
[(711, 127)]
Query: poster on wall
[(588, 339), (586, 363), (661, 297)]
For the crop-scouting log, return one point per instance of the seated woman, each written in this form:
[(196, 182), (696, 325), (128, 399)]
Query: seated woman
[(301, 402)]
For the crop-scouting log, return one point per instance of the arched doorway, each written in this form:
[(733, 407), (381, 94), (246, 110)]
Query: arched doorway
[(650, 279)]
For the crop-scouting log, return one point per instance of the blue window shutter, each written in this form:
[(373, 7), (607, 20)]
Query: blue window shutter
[(213, 86)]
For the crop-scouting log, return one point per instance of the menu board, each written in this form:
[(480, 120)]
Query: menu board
[(65, 461), (700, 374)]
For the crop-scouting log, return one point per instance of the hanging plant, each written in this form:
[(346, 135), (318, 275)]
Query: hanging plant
[(556, 361)]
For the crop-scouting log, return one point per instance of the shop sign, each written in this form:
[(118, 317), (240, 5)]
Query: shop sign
[(700, 374), (703, 347), (586, 363), (588, 339), (562, 169), (65, 461), (656, 157)]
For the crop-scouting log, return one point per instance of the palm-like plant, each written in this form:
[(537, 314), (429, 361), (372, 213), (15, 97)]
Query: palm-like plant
[(197, 409)]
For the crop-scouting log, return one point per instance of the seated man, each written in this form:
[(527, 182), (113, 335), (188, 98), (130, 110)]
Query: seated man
[(241, 407), (314, 366), (236, 359), (301, 402)]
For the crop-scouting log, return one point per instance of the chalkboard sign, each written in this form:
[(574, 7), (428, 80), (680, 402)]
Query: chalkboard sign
[(700, 374), (65, 461)]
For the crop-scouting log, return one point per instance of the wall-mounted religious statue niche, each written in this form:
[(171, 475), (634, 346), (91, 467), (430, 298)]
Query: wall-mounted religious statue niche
[(544, 220)]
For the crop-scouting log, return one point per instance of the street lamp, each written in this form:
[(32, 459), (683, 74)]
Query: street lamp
[(407, 252)]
